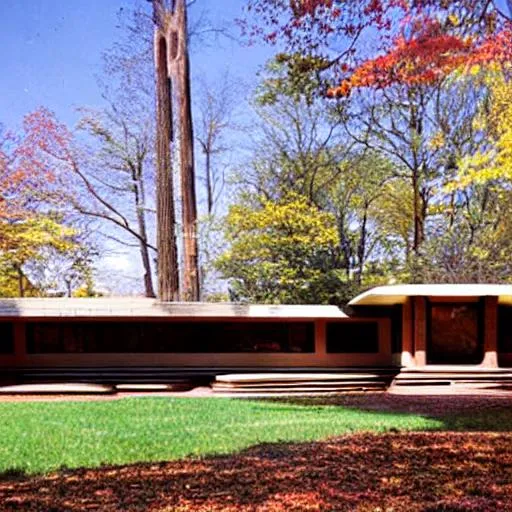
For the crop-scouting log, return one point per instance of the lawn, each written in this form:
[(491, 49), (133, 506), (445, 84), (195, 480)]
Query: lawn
[(347, 453), (38, 437)]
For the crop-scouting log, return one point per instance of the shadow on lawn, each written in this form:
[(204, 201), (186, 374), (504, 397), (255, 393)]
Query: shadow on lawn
[(414, 472), (484, 413)]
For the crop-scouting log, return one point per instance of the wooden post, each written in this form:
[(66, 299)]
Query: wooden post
[(420, 331), (490, 359), (407, 359), (320, 339)]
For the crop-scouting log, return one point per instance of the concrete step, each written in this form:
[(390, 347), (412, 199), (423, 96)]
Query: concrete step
[(274, 382), (75, 388), (291, 385), (293, 377), (139, 387), (302, 389)]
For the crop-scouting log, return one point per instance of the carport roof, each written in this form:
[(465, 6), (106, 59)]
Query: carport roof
[(398, 294)]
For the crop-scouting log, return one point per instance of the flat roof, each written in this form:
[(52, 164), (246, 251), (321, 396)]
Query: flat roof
[(151, 308), (398, 294)]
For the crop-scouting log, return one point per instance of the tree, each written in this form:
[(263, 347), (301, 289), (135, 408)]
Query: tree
[(168, 276), (31, 234), (30, 241), (493, 163), (300, 146), (95, 181), (172, 67), (355, 198), (117, 169), (217, 105), (281, 252), (296, 144)]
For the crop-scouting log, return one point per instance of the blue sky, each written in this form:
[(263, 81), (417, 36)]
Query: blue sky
[(51, 52)]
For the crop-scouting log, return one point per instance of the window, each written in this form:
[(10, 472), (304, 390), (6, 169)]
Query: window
[(505, 329), (352, 337), (162, 337), (6, 338)]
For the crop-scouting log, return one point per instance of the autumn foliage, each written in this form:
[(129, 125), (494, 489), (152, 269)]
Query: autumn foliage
[(427, 56), (28, 231), (23, 174)]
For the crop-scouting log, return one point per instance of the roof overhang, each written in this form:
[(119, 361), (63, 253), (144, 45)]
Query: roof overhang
[(398, 294), (149, 308)]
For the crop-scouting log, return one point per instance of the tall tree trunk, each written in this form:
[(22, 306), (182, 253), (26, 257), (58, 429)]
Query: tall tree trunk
[(168, 275), (180, 75)]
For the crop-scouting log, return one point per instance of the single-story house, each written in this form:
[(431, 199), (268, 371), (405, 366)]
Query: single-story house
[(397, 327)]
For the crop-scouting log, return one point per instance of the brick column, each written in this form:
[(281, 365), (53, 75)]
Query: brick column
[(407, 359), (420, 331), (490, 332)]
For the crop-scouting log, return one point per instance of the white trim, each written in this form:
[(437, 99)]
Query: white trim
[(397, 294)]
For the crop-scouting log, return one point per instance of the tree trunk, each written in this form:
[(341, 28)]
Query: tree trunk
[(361, 249), (144, 252), (168, 276), (21, 286), (417, 213), (209, 184), (180, 74), (140, 201)]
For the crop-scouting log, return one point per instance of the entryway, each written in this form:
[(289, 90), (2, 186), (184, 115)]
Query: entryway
[(455, 333)]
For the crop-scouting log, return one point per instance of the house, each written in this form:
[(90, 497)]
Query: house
[(401, 331)]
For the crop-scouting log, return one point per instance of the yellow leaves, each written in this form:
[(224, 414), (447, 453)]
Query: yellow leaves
[(279, 249), (474, 70), (453, 19), (24, 240), (494, 161), (437, 141)]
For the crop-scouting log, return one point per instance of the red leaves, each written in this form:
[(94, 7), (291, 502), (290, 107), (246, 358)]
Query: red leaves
[(424, 58), (496, 48), (28, 162)]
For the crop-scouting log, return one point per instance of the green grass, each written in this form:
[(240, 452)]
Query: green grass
[(40, 437)]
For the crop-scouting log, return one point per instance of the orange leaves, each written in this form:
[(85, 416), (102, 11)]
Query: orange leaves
[(426, 57)]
